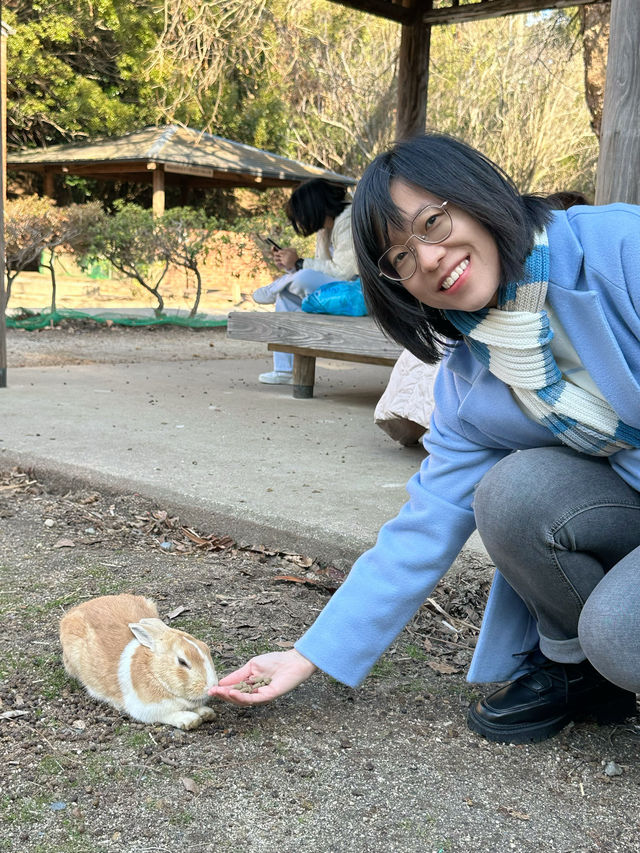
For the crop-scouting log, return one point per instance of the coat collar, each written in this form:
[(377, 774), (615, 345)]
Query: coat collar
[(585, 305), (584, 301)]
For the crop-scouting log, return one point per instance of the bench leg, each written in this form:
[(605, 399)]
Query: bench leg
[(304, 372)]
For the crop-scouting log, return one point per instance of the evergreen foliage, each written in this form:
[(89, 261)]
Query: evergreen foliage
[(304, 78)]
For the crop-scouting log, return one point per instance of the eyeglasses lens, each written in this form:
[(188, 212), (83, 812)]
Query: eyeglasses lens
[(431, 225)]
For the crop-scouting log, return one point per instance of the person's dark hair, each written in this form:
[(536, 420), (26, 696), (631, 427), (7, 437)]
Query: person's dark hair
[(312, 202), (565, 199), (451, 170)]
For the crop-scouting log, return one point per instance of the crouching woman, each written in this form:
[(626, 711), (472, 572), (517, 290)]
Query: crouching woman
[(534, 440)]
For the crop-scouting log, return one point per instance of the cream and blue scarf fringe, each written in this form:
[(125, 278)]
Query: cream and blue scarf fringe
[(513, 341)]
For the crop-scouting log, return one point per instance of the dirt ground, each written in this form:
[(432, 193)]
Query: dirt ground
[(388, 767)]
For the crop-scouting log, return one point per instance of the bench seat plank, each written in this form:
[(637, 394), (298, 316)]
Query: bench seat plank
[(311, 336)]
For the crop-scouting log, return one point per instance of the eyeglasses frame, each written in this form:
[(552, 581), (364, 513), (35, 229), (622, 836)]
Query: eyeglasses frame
[(406, 245)]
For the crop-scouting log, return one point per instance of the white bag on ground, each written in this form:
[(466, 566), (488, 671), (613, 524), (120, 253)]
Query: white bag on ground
[(405, 408)]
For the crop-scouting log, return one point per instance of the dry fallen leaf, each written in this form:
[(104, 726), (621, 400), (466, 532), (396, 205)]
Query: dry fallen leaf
[(299, 560), (442, 668), (9, 715), (291, 578), (209, 543), (189, 785), (177, 611), (64, 543), (191, 534), (319, 580), (514, 813)]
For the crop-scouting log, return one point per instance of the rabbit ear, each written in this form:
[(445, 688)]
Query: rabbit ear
[(146, 631)]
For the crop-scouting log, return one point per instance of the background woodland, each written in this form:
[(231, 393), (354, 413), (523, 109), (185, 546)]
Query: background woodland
[(308, 79)]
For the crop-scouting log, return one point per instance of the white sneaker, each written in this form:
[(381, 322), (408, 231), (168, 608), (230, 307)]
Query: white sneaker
[(267, 295), (276, 377), (264, 295)]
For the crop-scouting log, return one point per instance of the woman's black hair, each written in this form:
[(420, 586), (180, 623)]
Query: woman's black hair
[(312, 202), (451, 170)]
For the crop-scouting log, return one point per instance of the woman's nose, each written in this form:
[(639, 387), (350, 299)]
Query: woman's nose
[(428, 255)]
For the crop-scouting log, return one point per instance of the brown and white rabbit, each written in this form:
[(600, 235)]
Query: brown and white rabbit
[(120, 650)]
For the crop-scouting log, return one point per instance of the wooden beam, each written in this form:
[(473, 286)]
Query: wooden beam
[(105, 168), (456, 12), (380, 8), (618, 177), (157, 204), (142, 172), (495, 9), (413, 80)]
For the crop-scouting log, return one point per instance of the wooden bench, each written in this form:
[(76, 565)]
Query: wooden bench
[(311, 336)]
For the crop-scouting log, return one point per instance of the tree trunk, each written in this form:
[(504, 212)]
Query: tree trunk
[(618, 176), (413, 80), (52, 272), (595, 45), (194, 309)]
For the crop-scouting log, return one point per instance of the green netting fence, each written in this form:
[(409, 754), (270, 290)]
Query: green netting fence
[(31, 320)]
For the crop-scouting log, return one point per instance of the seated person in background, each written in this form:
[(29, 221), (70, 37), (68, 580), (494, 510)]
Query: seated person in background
[(565, 199), (315, 207)]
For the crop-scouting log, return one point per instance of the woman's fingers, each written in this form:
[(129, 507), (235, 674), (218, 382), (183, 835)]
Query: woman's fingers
[(239, 697), (264, 678), (238, 675)]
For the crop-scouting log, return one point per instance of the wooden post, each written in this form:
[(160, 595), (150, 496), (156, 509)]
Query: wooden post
[(3, 106), (618, 177), (413, 80), (4, 31), (304, 372), (3, 323), (158, 191), (48, 183)]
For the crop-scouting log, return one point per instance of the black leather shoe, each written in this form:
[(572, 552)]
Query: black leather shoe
[(537, 705)]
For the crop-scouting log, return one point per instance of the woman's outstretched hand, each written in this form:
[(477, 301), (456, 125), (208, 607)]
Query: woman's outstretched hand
[(276, 673)]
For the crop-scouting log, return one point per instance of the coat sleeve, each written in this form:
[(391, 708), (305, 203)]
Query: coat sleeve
[(343, 264), (388, 583)]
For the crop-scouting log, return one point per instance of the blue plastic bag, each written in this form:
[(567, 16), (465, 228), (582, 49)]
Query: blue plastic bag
[(337, 297)]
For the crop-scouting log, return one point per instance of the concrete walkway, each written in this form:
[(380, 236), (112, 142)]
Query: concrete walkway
[(202, 438)]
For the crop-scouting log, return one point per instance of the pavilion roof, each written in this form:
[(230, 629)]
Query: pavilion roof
[(180, 151)]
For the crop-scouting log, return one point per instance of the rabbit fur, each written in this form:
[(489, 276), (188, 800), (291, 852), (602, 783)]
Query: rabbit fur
[(120, 650)]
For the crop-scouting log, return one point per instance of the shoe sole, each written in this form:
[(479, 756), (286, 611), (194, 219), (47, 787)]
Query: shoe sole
[(607, 713)]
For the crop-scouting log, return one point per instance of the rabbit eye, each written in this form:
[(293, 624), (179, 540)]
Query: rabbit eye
[(183, 662)]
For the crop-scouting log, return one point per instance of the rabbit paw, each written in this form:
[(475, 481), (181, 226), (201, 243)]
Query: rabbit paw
[(183, 720), (206, 713)]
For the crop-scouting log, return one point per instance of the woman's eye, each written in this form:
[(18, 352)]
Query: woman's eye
[(431, 221), (400, 260)]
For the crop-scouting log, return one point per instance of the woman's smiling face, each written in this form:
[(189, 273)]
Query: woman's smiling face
[(463, 272)]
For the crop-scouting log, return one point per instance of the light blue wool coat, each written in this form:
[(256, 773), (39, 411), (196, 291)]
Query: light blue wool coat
[(594, 287)]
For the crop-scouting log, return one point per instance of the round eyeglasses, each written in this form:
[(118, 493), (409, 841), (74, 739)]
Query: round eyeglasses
[(433, 224)]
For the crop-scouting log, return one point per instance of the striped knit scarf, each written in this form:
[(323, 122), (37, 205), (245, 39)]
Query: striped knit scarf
[(513, 341)]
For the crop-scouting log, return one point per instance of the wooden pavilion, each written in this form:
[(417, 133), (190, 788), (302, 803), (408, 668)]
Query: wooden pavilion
[(169, 156)]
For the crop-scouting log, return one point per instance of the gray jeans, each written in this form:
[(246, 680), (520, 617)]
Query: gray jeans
[(564, 530)]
